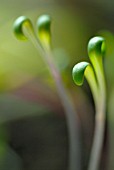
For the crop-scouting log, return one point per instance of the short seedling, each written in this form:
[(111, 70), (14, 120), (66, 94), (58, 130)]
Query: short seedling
[(94, 74), (23, 30)]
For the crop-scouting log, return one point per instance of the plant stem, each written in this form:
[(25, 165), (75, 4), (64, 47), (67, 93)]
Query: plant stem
[(71, 116), (97, 141), (99, 121), (90, 76)]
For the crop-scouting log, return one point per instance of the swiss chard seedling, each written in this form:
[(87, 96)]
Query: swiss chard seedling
[(94, 74), (23, 30)]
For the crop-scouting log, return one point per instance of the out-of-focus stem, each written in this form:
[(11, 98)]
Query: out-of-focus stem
[(71, 115)]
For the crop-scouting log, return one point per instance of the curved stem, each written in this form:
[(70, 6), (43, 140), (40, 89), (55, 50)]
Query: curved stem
[(71, 116), (90, 76)]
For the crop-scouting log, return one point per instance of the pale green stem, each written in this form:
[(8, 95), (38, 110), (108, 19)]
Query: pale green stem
[(91, 79), (100, 117), (71, 116)]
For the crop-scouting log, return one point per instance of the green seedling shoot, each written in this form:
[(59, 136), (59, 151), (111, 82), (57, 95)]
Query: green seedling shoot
[(23, 30), (94, 73), (44, 33)]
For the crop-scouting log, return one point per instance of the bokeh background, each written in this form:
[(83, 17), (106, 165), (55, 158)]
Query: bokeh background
[(33, 129)]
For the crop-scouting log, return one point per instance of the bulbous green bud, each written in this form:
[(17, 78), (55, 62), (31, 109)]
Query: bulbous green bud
[(43, 23), (44, 33), (96, 46), (18, 27), (78, 72)]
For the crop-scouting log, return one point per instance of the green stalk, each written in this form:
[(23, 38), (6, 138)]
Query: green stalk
[(90, 76), (100, 116)]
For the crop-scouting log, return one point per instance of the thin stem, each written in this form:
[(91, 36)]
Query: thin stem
[(97, 141), (71, 116), (99, 119), (90, 76)]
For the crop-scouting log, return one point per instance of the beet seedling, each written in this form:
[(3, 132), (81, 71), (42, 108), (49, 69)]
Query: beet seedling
[(23, 30), (94, 73)]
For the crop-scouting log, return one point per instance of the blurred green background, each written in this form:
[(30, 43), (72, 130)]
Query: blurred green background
[(31, 114)]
